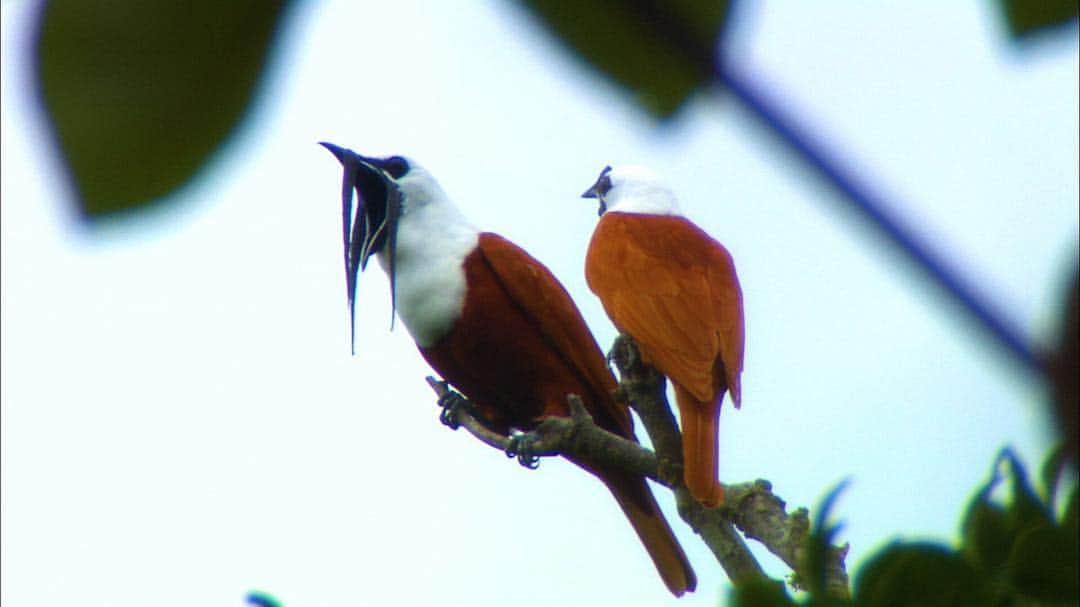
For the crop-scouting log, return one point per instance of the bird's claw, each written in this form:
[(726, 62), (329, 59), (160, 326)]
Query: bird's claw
[(451, 402), (520, 446), (623, 353)]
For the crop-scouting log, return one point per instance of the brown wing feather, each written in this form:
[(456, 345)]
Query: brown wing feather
[(728, 315), (542, 298), (536, 290), (666, 282)]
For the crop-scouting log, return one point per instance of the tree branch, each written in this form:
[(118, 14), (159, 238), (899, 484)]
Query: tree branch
[(577, 435), (752, 508)]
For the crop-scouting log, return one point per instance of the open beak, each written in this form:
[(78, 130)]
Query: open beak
[(372, 227)]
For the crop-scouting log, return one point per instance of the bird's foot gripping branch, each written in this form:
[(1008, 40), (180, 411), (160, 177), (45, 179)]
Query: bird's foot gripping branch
[(521, 447), (452, 404), (576, 435), (750, 508)]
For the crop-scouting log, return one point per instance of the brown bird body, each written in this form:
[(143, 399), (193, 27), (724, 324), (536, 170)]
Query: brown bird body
[(518, 349), (673, 288)]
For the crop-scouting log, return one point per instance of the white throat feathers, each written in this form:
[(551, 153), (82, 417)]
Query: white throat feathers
[(433, 240)]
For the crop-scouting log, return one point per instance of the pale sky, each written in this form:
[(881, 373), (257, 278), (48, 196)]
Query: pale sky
[(182, 421)]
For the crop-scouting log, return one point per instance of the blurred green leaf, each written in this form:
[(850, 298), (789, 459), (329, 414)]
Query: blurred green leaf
[(819, 543), (919, 574), (262, 599), (661, 50), (1016, 553), (761, 593), (990, 530), (988, 535), (1051, 472), (140, 92), (1029, 16), (1069, 521), (1043, 565), (1026, 507)]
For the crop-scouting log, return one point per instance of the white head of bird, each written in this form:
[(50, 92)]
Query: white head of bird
[(633, 189), (404, 218)]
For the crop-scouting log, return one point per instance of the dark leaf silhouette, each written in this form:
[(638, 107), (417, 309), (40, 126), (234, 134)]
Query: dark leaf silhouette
[(661, 51), (921, 573), (1026, 17), (140, 93), (1042, 565)]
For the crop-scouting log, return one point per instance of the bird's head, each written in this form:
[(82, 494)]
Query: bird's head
[(371, 226), (632, 189), (382, 187)]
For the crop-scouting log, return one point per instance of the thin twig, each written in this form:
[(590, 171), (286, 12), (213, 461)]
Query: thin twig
[(867, 203)]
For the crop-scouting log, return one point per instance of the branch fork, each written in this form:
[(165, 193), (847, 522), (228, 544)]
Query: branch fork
[(751, 508)]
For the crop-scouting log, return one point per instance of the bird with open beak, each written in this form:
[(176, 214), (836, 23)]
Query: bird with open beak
[(672, 287), (493, 321)]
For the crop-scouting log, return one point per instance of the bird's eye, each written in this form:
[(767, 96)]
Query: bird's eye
[(605, 184), (396, 166)]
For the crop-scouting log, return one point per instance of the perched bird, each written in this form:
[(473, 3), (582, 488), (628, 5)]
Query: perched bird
[(673, 288), (493, 321)]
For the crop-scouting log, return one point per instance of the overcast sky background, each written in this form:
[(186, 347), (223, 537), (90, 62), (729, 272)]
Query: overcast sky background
[(182, 421)]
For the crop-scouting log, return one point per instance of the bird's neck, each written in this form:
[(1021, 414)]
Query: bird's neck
[(644, 201), (433, 241)]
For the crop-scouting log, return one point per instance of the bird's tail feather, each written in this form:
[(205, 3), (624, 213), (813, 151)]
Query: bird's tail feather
[(699, 422), (640, 507)]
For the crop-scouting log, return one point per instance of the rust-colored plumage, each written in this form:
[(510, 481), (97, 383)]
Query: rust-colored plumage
[(518, 349), (491, 320), (673, 288)]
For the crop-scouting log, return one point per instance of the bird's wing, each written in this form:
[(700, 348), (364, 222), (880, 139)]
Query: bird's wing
[(544, 300), (673, 288)]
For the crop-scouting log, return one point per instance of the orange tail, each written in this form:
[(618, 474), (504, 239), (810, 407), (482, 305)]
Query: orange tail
[(699, 435), (640, 507)]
